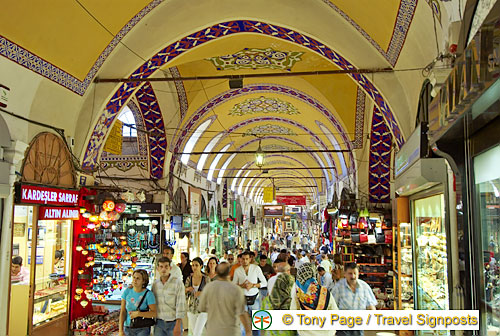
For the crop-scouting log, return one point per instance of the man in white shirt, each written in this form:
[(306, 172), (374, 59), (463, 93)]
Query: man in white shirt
[(170, 301), (168, 252), (325, 278), (247, 277), (303, 260), (325, 263), (274, 255)]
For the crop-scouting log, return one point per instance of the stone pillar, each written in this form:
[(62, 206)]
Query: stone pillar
[(14, 156)]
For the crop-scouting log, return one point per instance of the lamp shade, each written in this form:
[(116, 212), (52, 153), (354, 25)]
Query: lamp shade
[(259, 156)]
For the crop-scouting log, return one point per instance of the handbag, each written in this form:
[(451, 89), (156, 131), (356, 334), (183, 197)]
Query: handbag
[(251, 299), (142, 322), (363, 238), (380, 238), (355, 238)]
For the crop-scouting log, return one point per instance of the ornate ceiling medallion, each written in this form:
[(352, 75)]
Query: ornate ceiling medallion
[(263, 105), (253, 58), (269, 129)]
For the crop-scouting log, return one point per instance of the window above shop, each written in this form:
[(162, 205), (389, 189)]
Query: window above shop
[(129, 125)]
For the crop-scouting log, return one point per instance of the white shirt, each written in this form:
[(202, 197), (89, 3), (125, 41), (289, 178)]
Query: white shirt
[(327, 265), (254, 274), (271, 282), (175, 271), (327, 281), (274, 255), (302, 261)]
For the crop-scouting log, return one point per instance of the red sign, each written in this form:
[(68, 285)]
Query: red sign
[(291, 200), (50, 213), (44, 195)]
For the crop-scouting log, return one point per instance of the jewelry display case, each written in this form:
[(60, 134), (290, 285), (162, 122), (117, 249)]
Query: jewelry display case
[(431, 259)]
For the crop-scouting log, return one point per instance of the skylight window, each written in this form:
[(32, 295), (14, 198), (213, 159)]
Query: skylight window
[(193, 140), (129, 128)]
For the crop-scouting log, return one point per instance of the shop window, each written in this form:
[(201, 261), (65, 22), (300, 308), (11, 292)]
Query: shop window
[(487, 180), (47, 268)]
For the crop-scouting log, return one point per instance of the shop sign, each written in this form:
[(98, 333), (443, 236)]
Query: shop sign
[(176, 223), (50, 213), (268, 194), (114, 142), (186, 223), (472, 74), (148, 208), (291, 200), (44, 195), (196, 226), (273, 210), (4, 95)]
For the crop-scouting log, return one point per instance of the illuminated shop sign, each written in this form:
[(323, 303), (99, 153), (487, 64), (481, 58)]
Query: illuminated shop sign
[(45, 195), (50, 213)]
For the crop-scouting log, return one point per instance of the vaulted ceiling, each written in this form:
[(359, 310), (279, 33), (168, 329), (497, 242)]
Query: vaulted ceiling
[(73, 42)]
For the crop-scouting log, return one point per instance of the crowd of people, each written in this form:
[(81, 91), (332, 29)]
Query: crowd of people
[(218, 295)]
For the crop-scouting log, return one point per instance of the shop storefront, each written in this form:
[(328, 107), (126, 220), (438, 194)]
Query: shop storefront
[(464, 128), (44, 211), (427, 234)]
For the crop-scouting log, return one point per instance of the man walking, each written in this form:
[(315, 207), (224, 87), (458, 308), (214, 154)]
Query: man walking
[(168, 252), (225, 304), (351, 293), (247, 277), (170, 300)]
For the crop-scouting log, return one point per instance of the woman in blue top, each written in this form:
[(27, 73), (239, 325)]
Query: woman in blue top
[(131, 298)]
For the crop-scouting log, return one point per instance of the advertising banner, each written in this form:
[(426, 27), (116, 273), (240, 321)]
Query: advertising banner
[(291, 200)]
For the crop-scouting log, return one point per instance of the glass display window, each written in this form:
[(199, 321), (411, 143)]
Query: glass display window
[(52, 270), (42, 247), (431, 261), (487, 180), (405, 241)]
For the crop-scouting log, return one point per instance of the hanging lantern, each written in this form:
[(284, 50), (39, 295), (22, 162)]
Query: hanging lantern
[(95, 281), (113, 227), (104, 216), (108, 205), (83, 210), (133, 265), (123, 242), (86, 214), (120, 207), (85, 252), (94, 218), (91, 226), (89, 292), (90, 258), (80, 271), (79, 290), (114, 216), (79, 248), (87, 264), (105, 224), (77, 297)]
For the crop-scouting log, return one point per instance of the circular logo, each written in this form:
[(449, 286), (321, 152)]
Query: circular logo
[(262, 320)]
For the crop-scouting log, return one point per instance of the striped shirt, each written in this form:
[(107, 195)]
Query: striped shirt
[(360, 299), (170, 299)]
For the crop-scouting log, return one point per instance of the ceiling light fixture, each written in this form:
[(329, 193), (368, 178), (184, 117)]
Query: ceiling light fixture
[(259, 156)]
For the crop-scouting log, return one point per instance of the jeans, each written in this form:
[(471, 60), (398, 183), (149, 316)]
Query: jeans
[(262, 294), (137, 331), (164, 328), (350, 333)]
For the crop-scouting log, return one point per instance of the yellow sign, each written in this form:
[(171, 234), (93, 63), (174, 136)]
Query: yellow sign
[(114, 142), (268, 194)]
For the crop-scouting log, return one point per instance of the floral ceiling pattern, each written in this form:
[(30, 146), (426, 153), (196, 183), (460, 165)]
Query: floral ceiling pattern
[(269, 129), (276, 147), (253, 58), (263, 105)]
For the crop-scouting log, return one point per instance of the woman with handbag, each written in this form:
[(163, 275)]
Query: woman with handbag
[(194, 285), (138, 307)]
